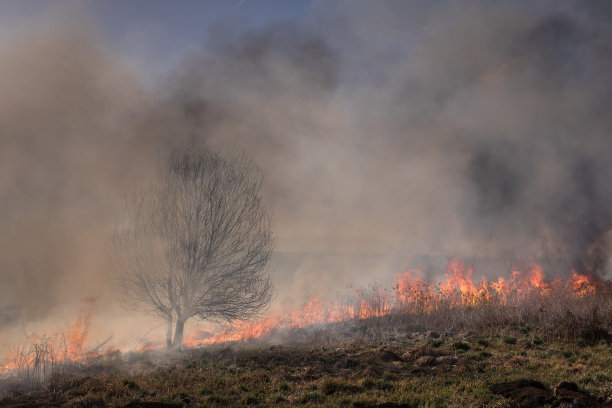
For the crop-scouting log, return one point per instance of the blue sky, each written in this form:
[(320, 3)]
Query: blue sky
[(186, 22), (185, 19), (159, 32)]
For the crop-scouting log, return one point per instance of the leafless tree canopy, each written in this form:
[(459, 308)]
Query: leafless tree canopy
[(197, 242)]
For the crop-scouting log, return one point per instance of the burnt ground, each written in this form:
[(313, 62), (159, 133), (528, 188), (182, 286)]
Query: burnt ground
[(508, 368)]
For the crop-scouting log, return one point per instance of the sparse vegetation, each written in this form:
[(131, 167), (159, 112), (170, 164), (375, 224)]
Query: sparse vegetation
[(509, 339), (456, 358), (461, 346), (359, 373), (436, 343)]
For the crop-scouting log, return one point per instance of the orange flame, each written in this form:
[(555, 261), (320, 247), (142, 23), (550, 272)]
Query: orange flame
[(583, 284), (78, 332), (411, 293), (60, 347)]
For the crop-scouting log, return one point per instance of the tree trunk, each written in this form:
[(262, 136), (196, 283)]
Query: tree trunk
[(178, 334), (170, 314), (169, 332)]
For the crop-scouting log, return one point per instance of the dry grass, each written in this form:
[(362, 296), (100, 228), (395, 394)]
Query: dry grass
[(446, 357), (559, 315), (41, 361), (421, 371)]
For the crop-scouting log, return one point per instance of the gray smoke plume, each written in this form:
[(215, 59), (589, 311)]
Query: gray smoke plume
[(385, 130)]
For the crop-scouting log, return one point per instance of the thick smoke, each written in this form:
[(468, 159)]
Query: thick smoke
[(385, 130)]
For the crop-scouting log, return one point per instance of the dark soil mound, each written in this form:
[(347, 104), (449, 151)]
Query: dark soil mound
[(524, 393), (569, 395), (528, 393)]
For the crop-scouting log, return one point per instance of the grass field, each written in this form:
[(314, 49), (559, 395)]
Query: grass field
[(551, 349), (427, 369)]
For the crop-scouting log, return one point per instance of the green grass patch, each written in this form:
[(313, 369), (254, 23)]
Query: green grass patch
[(509, 339)]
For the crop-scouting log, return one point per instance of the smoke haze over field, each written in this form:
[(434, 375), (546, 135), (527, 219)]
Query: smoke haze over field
[(385, 130)]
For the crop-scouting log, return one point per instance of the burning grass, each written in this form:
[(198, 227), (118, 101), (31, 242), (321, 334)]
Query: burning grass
[(563, 308), (40, 359), (421, 343)]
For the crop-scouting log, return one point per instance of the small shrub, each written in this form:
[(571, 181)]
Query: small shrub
[(483, 355), (483, 342), (279, 399), (345, 402), (332, 385), (547, 354), (436, 343), (312, 397), (461, 346), (367, 384), (602, 377), (384, 385), (537, 341), (509, 340), (284, 387), (131, 384), (251, 400), (567, 353)]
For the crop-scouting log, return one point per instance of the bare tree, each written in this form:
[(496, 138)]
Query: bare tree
[(197, 242)]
